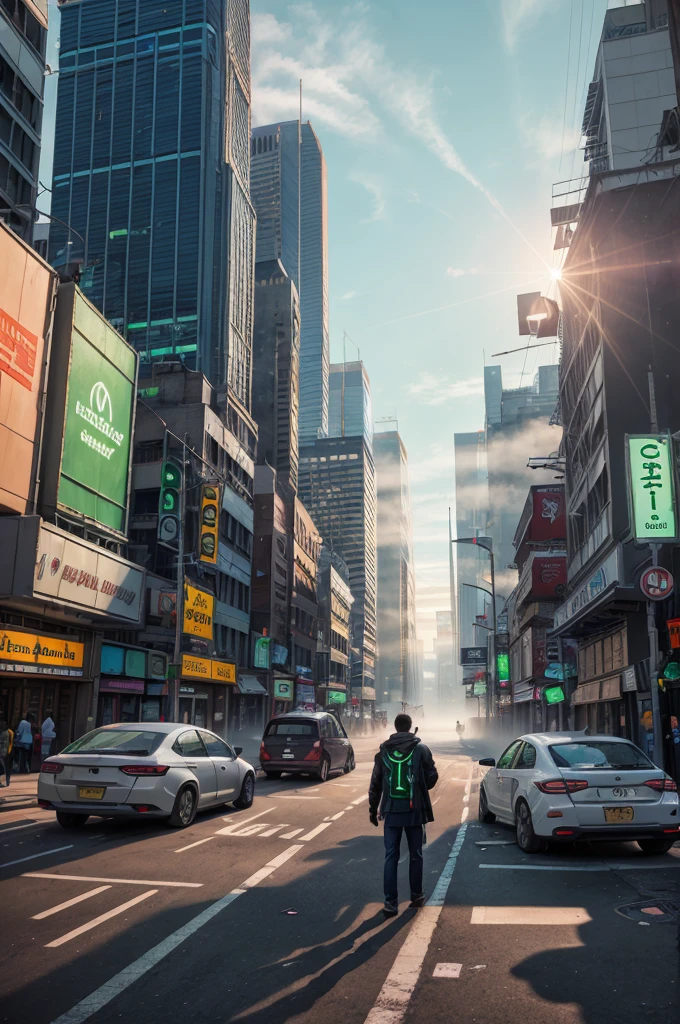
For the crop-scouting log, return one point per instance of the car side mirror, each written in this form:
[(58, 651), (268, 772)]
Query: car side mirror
[(238, 751), (488, 762)]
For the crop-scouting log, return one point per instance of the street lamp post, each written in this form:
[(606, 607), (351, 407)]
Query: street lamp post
[(487, 544)]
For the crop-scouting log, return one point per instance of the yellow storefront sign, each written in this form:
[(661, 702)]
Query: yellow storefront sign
[(198, 612), (208, 669), (43, 651)]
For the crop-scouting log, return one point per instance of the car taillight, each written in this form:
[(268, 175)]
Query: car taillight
[(315, 753), (145, 769), (51, 767), (264, 754), (562, 785), (661, 785)]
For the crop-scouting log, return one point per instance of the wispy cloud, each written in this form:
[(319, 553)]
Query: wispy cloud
[(375, 191), (544, 137), (517, 15), (348, 295), (459, 272), (433, 389)]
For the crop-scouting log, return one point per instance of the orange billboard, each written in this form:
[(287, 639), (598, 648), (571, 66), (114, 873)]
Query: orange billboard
[(27, 289)]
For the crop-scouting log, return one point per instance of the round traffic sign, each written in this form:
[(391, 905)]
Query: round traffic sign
[(657, 583)]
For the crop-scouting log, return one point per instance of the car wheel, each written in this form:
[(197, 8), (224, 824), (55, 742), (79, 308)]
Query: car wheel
[(655, 846), (184, 811), (247, 794), (324, 769), (527, 840), (484, 814), (273, 775), (349, 763), (71, 821)]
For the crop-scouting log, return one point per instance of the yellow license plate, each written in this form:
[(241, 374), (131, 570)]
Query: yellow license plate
[(614, 814), (91, 792)]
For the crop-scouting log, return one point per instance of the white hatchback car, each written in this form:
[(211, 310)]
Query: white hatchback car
[(150, 769), (571, 787)]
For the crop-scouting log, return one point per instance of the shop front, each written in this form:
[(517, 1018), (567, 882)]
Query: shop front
[(204, 689), (45, 675), (132, 685), (248, 707), (522, 697)]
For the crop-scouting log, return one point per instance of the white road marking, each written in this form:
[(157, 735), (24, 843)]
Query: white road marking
[(464, 815), (395, 995), (237, 814), (14, 828), (466, 798), (70, 903), (338, 815), (315, 831), (291, 835), (230, 829), (251, 830), (95, 922), (272, 831), (360, 800), (271, 866), (286, 796), (545, 867), (120, 881), (34, 856), (530, 915), (191, 845), (447, 971), (91, 1004)]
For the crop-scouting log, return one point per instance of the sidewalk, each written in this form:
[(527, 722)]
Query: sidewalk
[(22, 792)]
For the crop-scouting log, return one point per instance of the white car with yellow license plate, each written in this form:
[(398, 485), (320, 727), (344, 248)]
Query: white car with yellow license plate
[(144, 769), (571, 787)]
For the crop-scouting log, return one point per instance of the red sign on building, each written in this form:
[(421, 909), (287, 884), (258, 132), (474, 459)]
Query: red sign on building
[(548, 576), (549, 520)]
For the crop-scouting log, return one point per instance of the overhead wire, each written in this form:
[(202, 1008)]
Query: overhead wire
[(566, 84)]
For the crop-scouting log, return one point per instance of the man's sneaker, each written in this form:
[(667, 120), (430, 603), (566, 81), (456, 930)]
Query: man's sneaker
[(417, 902), (390, 909)]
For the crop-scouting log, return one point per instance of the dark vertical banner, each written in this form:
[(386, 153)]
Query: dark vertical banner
[(674, 31)]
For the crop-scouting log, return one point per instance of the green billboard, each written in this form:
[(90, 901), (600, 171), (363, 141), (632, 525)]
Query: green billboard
[(650, 467), (100, 395)]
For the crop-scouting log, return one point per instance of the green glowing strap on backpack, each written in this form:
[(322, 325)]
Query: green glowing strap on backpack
[(400, 775)]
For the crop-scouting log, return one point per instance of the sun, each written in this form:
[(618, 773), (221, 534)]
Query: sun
[(556, 273)]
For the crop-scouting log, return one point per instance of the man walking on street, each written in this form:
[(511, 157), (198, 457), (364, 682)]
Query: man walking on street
[(403, 775)]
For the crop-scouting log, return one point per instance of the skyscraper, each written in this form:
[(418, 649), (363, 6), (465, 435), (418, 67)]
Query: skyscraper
[(289, 192), (23, 39), (337, 485), (396, 611), (350, 411), (276, 370), (149, 91), (472, 563)]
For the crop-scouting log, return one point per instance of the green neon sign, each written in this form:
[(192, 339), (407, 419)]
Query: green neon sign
[(503, 667), (650, 462), (554, 695)]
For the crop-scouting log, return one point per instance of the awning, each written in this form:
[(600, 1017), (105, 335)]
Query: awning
[(251, 685)]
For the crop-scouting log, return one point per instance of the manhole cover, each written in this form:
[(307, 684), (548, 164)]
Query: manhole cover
[(650, 911)]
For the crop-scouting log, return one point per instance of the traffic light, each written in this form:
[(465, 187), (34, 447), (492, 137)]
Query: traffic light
[(209, 523), (169, 504)]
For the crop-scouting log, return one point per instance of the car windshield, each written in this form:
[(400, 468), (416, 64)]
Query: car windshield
[(596, 754), (139, 742), (292, 729)]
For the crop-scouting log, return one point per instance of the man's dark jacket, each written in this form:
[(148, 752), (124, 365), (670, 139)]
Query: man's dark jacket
[(424, 778)]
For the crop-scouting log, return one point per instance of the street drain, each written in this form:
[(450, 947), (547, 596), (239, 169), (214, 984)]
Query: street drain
[(650, 912)]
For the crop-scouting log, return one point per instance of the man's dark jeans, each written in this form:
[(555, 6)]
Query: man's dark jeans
[(414, 838)]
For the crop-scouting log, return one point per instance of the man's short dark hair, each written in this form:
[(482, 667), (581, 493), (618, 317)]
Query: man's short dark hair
[(402, 723)]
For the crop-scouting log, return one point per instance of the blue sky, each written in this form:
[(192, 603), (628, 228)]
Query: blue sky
[(444, 126)]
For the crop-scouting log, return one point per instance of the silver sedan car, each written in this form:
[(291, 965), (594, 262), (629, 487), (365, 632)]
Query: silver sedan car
[(150, 769), (571, 787)]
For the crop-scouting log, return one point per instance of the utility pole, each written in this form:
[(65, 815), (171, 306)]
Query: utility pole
[(652, 630)]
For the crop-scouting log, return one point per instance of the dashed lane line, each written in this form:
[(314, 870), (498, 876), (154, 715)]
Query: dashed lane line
[(199, 842), (34, 856), (119, 881), (291, 835), (315, 831)]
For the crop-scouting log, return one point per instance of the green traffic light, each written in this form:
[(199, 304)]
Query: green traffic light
[(171, 475), (170, 500)]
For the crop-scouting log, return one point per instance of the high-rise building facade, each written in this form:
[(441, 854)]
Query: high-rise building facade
[(350, 410), (289, 192), (471, 563), (337, 486), (396, 612), (151, 168), (23, 41), (276, 370)]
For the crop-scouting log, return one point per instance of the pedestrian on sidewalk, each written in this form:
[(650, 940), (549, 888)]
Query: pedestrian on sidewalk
[(6, 744), (48, 736), (399, 794), (23, 741)]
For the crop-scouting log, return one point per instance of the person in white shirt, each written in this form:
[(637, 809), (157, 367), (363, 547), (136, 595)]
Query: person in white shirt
[(23, 741), (48, 737)]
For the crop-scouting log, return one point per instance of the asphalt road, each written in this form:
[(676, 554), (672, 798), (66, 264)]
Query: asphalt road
[(273, 914)]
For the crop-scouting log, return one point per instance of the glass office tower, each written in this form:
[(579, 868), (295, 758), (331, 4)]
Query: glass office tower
[(350, 410), (289, 192), (151, 167)]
